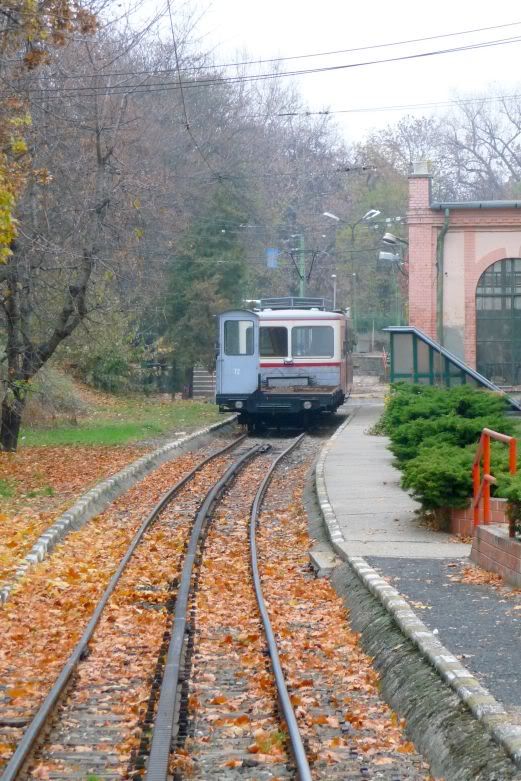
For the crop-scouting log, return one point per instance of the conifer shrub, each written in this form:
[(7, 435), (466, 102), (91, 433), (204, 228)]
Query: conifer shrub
[(433, 433), (440, 476)]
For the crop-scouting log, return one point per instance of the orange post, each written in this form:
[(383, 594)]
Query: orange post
[(512, 456), (476, 484), (481, 485)]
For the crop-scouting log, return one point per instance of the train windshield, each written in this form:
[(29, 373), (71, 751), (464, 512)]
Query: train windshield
[(238, 337), (273, 341), (312, 341)]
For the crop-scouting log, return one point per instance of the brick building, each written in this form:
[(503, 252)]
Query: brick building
[(465, 278)]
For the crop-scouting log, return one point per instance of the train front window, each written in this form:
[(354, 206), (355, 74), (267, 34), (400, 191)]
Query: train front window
[(238, 337), (273, 341), (312, 341)]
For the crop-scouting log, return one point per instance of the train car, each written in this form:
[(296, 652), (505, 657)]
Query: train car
[(283, 363)]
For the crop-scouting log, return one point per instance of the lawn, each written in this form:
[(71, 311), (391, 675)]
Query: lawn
[(123, 421)]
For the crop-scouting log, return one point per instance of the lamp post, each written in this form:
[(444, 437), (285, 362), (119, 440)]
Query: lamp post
[(367, 217), (333, 277), (396, 261)]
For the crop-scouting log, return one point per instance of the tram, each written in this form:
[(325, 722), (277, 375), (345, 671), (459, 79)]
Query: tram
[(283, 363)]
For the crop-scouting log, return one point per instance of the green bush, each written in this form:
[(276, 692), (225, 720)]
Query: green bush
[(108, 370), (413, 402), (433, 432), (409, 438), (440, 476)]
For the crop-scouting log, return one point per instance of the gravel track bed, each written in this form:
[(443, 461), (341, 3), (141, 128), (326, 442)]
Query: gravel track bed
[(233, 729), (44, 619)]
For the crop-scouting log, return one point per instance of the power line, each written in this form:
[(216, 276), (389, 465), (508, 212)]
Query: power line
[(270, 60), (183, 103), (149, 88)]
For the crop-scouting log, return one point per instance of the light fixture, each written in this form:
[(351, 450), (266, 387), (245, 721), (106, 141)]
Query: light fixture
[(392, 240), (371, 214)]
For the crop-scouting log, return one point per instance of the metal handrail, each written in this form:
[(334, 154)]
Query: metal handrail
[(481, 485)]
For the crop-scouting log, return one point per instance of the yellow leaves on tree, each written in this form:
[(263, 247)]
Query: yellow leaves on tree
[(31, 30)]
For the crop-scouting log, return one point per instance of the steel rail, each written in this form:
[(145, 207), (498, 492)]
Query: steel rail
[(297, 746), (30, 737), (157, 767)]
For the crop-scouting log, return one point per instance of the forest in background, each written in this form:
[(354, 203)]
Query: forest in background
[(141, 185)]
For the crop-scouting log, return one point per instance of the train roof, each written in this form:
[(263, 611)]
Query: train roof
[(299, 314)]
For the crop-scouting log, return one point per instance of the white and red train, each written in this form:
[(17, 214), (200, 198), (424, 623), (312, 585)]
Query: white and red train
[(283, 363)]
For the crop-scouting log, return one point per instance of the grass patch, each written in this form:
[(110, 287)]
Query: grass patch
[(127, 420), (7, 489)]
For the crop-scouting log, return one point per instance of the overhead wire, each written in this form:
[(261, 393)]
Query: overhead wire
[(149, 88), (272, 60)]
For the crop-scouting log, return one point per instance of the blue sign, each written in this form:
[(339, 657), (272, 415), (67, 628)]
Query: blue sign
[(272, 257)]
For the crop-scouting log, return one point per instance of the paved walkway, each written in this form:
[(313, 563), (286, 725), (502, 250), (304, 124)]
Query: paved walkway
[(481, 625), (376, 516)]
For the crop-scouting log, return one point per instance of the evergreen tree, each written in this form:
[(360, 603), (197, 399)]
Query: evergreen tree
[(206, 276)]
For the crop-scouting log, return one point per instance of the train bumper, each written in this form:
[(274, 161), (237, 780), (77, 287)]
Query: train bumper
[(261, 404)]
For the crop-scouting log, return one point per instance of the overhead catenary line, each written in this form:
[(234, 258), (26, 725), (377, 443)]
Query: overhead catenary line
[(183, 103), (271, 60), (150, 88)]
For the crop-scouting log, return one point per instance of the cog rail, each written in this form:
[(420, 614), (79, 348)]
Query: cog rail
[(42, 716), (157, 769)]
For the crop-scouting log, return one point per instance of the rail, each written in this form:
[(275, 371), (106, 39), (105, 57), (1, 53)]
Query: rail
[(297, 746), (157, 768), (481, 485), (37, 725)]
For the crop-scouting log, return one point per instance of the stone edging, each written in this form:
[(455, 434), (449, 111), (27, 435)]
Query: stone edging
[(479, 701), (98, 498)]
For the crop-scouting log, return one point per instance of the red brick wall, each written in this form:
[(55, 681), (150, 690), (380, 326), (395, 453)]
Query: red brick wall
[(462, 521), (424, 225), (493, 550)]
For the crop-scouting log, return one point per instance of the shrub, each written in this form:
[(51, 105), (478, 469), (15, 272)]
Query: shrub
[(409, 438), (511, 490), (432, 432), (52, 393), (440, 476), (108, 370), (414, 402)]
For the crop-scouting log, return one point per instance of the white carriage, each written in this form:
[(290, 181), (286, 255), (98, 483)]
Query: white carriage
[(283, 363)]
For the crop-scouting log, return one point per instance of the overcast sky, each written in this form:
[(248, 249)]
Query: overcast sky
[(271, 28)]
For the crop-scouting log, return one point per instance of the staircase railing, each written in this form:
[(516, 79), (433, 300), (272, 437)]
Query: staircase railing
[(481, 484)]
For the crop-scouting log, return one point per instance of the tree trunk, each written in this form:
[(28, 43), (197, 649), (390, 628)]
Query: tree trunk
[(12, 409)]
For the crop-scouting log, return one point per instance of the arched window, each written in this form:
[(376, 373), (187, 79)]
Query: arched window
[(498, 322)]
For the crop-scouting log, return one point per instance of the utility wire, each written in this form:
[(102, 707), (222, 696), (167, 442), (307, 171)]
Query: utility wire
[(183, 103), (270, 60), (151, 87)]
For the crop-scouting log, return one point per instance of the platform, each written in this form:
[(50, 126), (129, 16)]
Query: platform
[(479, 624)]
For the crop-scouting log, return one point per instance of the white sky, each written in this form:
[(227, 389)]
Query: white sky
[(268, 28)]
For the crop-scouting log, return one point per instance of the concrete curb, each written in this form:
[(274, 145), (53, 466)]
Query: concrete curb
[(478, 700), (98, 498)]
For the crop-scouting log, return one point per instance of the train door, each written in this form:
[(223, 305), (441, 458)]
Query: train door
[(238, 358)]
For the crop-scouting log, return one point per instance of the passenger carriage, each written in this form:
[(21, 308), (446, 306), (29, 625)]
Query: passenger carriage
[(283, 363)]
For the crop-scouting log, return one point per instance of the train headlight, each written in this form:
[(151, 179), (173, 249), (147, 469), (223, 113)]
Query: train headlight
[(239, 405), (307, 405)]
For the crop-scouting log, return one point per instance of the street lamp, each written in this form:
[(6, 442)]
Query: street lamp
[(333, 277), (395, 261), (370, 215)]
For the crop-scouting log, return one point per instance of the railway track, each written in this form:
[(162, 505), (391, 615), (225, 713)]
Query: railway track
[(63, 731), (178, 673)]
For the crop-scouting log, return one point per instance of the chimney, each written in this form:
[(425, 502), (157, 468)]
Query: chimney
[(420, 186)]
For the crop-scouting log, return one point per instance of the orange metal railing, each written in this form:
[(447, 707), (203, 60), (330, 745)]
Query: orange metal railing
[(481, 485)]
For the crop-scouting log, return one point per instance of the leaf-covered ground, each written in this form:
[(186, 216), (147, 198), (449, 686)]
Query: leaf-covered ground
[(55, 464), (38, 484), (46, 614)]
